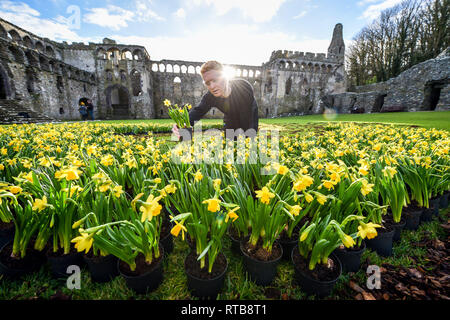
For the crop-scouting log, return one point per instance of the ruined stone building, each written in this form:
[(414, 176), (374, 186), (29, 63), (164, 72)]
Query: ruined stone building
[(41, 79), (423, 87)]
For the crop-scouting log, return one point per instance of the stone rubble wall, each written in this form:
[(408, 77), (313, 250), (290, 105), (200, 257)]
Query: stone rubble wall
[(124, 82), (409, 91)]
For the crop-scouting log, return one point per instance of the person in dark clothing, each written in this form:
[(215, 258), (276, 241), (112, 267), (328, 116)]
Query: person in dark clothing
[(83, 111), (234, 98), (90, 109)]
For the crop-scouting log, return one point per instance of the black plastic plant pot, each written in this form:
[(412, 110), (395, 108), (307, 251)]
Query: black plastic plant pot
[(102, 269), (382, 243), (11, 269), (288, 246), (206, 288), (261, 272), (427, 214), (350, 259), (434, 205), (148, 281), (235, 242), (60, 264), (167, 243), (443, 201), (398, 227), (6, 235), (413, 219), (313, 286)]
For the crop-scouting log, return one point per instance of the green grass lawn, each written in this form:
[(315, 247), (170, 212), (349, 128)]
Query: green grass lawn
[(426, 119)]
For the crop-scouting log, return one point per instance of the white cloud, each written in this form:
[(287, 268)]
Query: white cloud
[(257, 10), (232, 44), (144, 13), (374, 10), (301, 14), (364, 2), (110, 17), (24, 16), (180, 13), (19, 8)]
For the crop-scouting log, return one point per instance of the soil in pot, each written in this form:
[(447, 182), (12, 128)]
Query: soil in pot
[(319, 281), (350, 257), (257, 252), (382, 243), (201, 283), (260, 264), (59, 262), (412, 215), (146, 277), (101, 268), (13, 268)]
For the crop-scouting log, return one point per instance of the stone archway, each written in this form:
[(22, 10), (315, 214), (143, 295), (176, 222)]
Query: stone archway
[(118, 101), (5, 90), (432, 94)]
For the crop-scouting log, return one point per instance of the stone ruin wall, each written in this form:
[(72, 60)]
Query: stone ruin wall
[(124, 83), (124, 75), (180, 82), (294, 82), (34, 72), (424, 87)]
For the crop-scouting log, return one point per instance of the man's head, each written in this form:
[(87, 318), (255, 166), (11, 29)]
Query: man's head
[(213, 78)]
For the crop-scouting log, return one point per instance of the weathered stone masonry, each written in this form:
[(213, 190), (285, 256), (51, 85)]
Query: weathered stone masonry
[(424, 87), (124, 83)]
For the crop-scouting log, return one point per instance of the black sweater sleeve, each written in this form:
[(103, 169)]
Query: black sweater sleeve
[(201, 109), (249, 117)]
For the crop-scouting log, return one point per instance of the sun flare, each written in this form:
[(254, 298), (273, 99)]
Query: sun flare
[(229, 72)]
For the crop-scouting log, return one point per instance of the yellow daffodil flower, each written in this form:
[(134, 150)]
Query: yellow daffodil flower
[(117, 191), (264, 195), (83, 242), (198, 176), (213, 204), (366, 187), (321, 198), (40, 204), (175, 231), (150, 208), (15, 189), (295, 210), (367, 230), (232, 214)]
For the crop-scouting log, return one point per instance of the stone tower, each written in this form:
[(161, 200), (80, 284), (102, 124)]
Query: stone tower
[(337, 46)]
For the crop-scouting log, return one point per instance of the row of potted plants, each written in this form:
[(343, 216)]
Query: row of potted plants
[(314, 194)]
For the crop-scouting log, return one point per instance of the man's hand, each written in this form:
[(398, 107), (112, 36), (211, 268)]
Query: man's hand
[(175, 131)]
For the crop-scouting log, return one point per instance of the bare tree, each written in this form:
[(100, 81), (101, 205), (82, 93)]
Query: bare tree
[(402, 36)]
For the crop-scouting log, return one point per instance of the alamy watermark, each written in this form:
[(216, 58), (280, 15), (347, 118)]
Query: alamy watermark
[(74, 280), (215, 146), (73, 20), (374, 277)]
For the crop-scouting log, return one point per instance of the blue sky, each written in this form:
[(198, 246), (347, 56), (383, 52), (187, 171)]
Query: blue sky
[(231, 31)]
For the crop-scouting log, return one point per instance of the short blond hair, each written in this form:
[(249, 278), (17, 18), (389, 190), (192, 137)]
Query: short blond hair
[(211, 65)]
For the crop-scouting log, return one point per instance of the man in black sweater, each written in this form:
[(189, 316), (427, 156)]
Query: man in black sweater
[(234, 98)]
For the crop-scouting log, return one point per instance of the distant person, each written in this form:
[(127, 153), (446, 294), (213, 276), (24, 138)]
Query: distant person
[(90, 109), (233, 97), (83, 111)]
